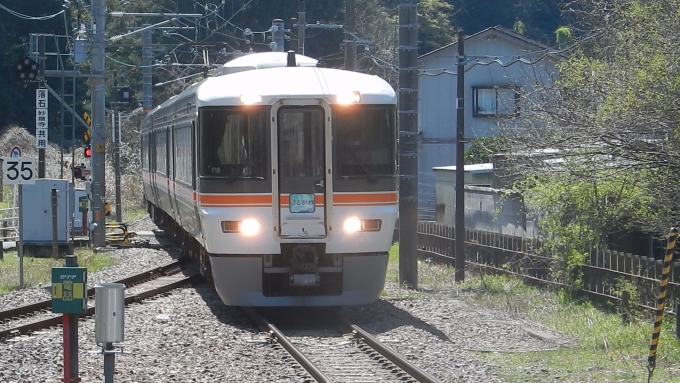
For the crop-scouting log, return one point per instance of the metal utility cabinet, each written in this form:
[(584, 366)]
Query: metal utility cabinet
[(36, 211)]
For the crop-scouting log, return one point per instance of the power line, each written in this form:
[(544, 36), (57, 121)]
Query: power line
[(26, 17)]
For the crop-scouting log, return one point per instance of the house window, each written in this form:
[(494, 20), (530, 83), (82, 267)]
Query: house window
[(495, 101)]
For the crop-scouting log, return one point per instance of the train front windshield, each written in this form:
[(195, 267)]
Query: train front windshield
[(234, 142), (365, 141)]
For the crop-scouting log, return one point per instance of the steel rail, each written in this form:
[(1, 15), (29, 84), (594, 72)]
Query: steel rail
[(131, 281), (297, 354), (275, 333), (393, 356), (57, 320)]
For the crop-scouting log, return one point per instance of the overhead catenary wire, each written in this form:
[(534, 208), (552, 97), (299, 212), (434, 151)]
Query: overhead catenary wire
[(27, 17)]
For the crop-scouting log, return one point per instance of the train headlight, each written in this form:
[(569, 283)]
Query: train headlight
[(249, 227), (352, 225), (250, 99), (346, 98), (371, 224)]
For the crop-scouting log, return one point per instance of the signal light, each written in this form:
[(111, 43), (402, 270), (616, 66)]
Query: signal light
[(87, 152), (79, 172), (26, 69)]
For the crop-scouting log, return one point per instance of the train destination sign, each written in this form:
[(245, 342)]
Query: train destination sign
[(301, 203)]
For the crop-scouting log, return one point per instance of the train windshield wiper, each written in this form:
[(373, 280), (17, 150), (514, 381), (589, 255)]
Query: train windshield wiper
[(369, 175), (238, 168)]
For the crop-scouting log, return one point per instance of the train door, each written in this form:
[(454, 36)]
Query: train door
[(301, 163), (154, 167)]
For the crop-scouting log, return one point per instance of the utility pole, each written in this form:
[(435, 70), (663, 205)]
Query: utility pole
[(408, 144), (278, 38), (115, 128), (302, 26), (302, 23), (350, 50), (147, 95), (97, 88), (460, 163)]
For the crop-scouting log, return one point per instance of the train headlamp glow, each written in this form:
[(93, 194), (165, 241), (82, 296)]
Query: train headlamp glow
[(346, 98), (250, 99), (249, 227), (352, 225)]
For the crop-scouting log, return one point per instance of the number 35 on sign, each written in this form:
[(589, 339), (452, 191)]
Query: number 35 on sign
[(18, 170)]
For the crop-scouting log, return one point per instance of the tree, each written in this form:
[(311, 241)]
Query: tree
[(482, 150), (18, 19), (612, 124), (562, 36), (539, 17)]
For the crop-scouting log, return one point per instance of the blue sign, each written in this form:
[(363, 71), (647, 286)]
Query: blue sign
[(16, 152), (301, 203)]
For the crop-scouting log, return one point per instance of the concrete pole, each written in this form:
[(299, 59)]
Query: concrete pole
[(116, 154), (408, 144), (460, 163), (98, 88), (277, 35), (147, 95), (302, 26), (350, 50)]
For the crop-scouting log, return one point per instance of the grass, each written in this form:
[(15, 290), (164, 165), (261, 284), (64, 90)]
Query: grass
[(38, 271), (602, 348)]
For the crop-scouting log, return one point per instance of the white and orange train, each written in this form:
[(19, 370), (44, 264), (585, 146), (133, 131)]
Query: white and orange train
[(279, 177)]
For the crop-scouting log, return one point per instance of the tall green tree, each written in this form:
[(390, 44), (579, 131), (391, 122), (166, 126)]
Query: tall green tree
[(540, 17), (18, 19), (612, 124)]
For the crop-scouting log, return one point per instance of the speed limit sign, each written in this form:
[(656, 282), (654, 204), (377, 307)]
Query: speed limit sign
[(18, 170)]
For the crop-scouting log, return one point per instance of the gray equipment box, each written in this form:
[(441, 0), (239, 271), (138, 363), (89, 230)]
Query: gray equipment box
[(36, 211)]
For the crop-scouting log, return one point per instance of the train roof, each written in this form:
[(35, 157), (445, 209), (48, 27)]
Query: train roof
[(295, 82), (262, 61), (266, 74)]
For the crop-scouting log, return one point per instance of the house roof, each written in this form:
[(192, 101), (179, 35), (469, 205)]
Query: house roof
[(498, 29), (471, 168)]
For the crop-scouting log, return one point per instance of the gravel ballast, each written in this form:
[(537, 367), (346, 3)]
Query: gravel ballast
[(189, 335)]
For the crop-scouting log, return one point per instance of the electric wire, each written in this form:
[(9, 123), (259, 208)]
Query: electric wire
[(26, 17)]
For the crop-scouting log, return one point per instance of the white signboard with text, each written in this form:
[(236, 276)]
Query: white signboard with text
[(41, 123)]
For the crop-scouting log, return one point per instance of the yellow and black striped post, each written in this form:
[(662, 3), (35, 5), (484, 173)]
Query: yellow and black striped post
[(661, 301)]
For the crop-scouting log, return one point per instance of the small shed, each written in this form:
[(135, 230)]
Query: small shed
[(487, 208)]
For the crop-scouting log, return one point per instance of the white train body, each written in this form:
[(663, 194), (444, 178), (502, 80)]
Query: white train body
[(280, 179)]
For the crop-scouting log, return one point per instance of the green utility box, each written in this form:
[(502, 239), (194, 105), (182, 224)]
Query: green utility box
[(69, 290), (82, 204)]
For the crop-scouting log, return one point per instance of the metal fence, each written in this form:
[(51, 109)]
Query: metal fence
[(9, 224), (604, 273)]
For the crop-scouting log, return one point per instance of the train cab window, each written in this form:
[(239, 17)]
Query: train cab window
[(365, 141), (301, 142), (234, 143)]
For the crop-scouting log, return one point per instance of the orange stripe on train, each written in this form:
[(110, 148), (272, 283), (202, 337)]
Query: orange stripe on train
[(241, 199), (284, 200), (382, 198)]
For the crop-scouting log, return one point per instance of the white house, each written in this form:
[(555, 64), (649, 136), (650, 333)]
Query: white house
[(502, 69)]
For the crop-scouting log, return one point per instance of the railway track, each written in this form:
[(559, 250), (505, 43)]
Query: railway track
[(344, 353), (30, 318)]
